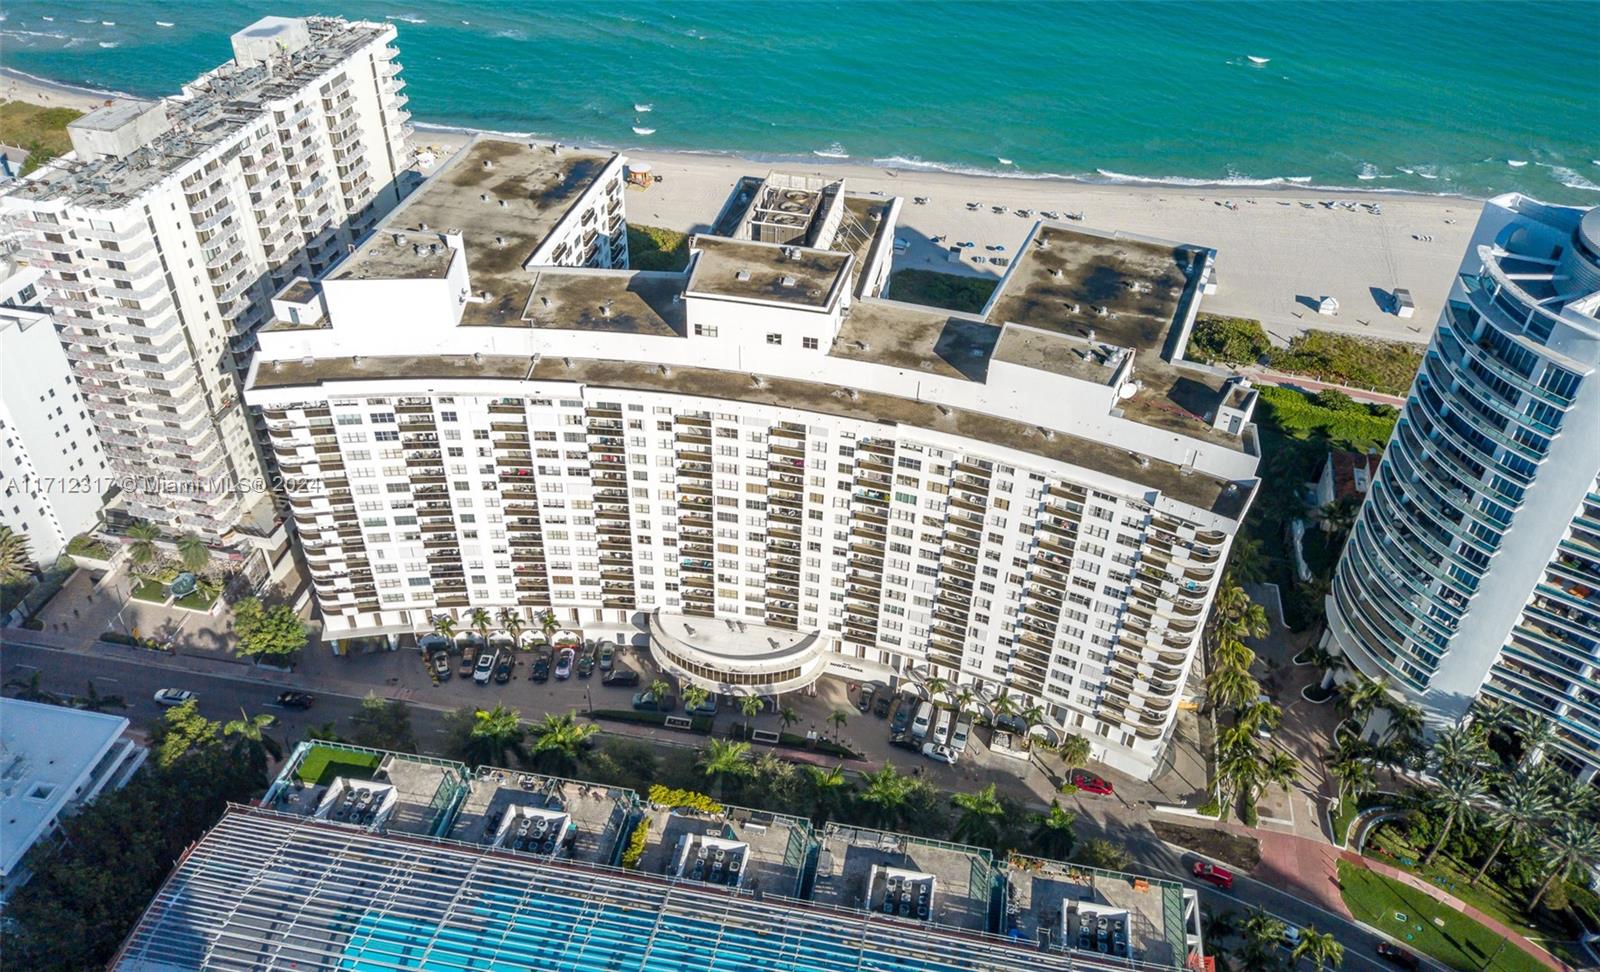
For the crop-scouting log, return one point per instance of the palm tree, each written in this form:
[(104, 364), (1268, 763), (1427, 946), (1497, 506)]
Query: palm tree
[(1258, 714), (511, 623), (445, 626), (1459, 749), (1535, 732), (750, 706), (1320, 948), (1405, 727), (1005, 706), (788, 717), (838, 719), (1522, 808), (1575, 843), (1362, 696), (1053, 835), (826, 788), (548, 624), (1230, 652), (325, 732), (15, 563), (28, 690), (496, 734), (93, 701), (1073, 750), (694, 696), (981, 813), (935, 687), (1246, 561), (962, 701), (1280, 770), (658, 691), (142, 537), (887, 790), (251, 742), (1229, 687), (559, 741), (1457, 796), (193, 553), (1262, 935), (723, 758), (480, 619), (1350, 762)]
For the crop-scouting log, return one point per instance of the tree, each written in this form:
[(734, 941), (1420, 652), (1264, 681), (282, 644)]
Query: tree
[(559, 742), (1535, 732), (1053, 835), (1522, 808), (1262, 935), (445, 626), (1258, 714), (480, 619), (193, 553), (935, 686), (511, 622), (16, 564), (491, 736), (1229, 687), (1005, 706), (887, 790), (1459, 750), (142, 537), (1104, 854), (274, 634), (324, 732), (827, 787), (1457, 797), (658, 691), (1350, 762), (93, 701), (1321, 949), (29, 690), (1073, 750), (548, 624), (383, 724), (722, 758), (788, 717), (962, 701), (981, 813), (1575, 843), (250, 740), (1279, 769), (750, 706), (1363, 696), (838, 719), (694, 696)]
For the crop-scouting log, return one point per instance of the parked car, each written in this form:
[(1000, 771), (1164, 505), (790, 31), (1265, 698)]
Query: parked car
[(904, 708), (484, 669), (1398, 957), (296, 700), (607, 650), (620, 677), (586, 664), (469, 661), (905, 741), (922, 720), (943, 754), (540, 671), (1087, 782), (1291, 936), (564, 664), (647, 700), (864, 699), (1213, 874), (502, 669), (440, 664), (171, 697), (959, 735), (1263, 731), (880, 705), (706, 708)]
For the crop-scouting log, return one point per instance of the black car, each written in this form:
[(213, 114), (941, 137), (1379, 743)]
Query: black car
[(864, 699), (905, 708), (905, 741), (296, 700), (502, 671), (540, 672), (1398, 957), (880, 705), (620, 678), (586, 664)]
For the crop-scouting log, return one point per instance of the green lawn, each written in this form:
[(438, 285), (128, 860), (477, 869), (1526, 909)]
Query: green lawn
[(1460, 943), (322, 763), (950, 291), (150, 590), (196, 601), (40, 130), (654, 248)]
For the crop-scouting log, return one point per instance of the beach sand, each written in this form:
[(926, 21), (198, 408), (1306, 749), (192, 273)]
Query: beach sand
[(1279, 249)]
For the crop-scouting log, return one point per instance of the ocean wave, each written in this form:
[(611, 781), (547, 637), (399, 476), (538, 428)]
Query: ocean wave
[(1231, 179), (35, 33), (407, 18), (511, 33), (833, 151), (1571, 179), (108, 44)]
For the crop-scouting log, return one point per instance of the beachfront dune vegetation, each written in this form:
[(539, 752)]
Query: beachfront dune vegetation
[(1341, 359), (947, 290), (654, 248), (1227, 340), (41, 131)]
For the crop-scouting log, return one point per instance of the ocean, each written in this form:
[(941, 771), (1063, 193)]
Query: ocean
[(1465, 97)]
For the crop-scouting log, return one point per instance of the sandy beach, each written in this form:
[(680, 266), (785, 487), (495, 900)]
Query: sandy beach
[(1279, 249)]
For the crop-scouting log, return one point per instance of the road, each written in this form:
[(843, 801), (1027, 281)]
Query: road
[(137, 675)]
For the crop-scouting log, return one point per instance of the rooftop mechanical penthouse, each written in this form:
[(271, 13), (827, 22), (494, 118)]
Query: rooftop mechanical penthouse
[(764, 464)]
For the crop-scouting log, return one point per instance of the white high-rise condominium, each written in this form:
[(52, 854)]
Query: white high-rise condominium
[(1473, 569), (52, 468), (165, 233), (759, 464)]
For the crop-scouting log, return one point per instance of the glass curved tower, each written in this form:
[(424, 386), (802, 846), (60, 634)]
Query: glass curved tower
[(1474, 566)]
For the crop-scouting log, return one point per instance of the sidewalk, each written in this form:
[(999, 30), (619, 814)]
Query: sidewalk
[(1443, 897), (1267, 376)]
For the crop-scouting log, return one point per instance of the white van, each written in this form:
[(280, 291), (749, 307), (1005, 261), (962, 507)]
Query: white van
[(921, 721), (941, 730), (958, 738)]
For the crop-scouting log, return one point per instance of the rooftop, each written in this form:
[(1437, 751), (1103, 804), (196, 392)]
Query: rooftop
[(771, 856), (504, 198), (45, 752), (621, 301), (854, 867), (598, 814), (1058, 353), (214, 108), (389, 792), (320, 895), (1061, 904), (766, 272), (917, 338), (1197, 489)]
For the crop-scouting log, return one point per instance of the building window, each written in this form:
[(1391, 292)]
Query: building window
[(774, 338), (705, 330), (810, 344)]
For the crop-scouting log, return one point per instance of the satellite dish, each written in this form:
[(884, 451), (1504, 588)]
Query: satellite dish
[(1128, 390)]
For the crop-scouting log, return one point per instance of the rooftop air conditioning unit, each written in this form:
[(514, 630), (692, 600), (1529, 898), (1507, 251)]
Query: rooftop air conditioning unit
[(741, 275)]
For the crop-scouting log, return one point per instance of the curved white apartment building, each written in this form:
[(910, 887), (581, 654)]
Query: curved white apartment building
[(1474, 567), (770, 469)]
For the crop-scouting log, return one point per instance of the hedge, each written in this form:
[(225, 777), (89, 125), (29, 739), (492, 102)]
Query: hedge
[(636, 844), (1299, 414), (796, 741), (664, 796), (700, 723)]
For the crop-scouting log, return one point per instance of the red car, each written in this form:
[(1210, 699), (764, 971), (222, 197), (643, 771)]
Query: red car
[(1087, 782), (1397, 956), (1220, 876)]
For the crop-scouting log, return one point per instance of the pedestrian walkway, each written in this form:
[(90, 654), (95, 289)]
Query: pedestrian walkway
[(1269, 377), (1444, 897)]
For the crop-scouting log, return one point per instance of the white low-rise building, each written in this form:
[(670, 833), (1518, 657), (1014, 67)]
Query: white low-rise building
[(53, 760), (760, 464)]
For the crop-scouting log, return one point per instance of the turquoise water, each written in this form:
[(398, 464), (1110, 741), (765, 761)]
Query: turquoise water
[(1416, 96)]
